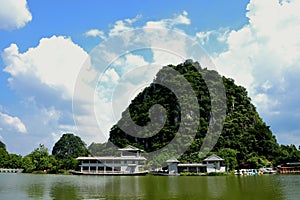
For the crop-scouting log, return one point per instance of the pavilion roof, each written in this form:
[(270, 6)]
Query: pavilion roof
[(130, 148), (172, 160), (213, 157)]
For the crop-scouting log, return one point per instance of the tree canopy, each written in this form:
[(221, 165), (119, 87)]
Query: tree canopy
[(69, 146), (2, 145)]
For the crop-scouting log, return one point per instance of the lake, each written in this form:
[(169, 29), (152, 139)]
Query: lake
[(29, 186)]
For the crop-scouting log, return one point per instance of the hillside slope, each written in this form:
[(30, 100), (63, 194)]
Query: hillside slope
[(245, 140)]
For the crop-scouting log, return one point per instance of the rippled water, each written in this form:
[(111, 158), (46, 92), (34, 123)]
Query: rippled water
[(29, 186)]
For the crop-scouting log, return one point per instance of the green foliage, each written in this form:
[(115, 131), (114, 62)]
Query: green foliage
[(37, 160), (245, 138), (105, 149), (9, 160), (216, 174), (256, 162), (288, 153), (190, 174), (245, 141), (28, 164), (69, 146), (4, 158), (230, 157), (2, 145), (40, 161)]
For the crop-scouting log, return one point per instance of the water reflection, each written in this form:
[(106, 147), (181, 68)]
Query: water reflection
[(26, 186), (65, 191), (35, 191), (216, 187)]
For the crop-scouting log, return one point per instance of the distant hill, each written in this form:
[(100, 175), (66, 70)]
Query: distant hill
[(245, 140)]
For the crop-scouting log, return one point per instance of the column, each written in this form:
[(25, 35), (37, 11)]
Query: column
[(97, 166)]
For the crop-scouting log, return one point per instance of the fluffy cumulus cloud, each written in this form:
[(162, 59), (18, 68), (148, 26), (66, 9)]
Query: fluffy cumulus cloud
[(55, 62), (126, 63), (44, 77), (12, 123), (263, 56), (14, 14)]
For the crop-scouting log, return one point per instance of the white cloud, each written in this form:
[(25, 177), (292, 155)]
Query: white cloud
[(181, 19), (110, 100), (55, 62), (265, 103), (44, 77), (14, 14), (133, 20), (127, 63), (123, 25), (123, 70), (205, 37), (110, 76), (264, 57), (95, 33), (260, 52), (10, 122)]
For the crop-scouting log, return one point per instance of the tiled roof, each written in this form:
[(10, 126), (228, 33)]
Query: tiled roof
[(130, 148), (172, 160), (191, 165), (112, 158), (213, 157)]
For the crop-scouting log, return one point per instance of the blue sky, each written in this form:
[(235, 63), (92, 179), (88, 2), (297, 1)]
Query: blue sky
[(45, 44)]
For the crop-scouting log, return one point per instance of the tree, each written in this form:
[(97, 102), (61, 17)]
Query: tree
[(4, 156), (27, 164), (69, 146), (37, 160), (229, 155), (2, 145)]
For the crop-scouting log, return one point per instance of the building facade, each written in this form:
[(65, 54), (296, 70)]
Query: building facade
[(212, 163), (290, 168), (129, 162)]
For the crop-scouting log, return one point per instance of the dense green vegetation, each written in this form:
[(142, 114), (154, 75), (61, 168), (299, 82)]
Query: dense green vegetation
[(63, 157), (2, 145), (69, 146), (245, 141)]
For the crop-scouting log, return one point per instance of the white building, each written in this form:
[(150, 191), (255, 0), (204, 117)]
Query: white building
[(129, 163), (172, 166), (212, 163)]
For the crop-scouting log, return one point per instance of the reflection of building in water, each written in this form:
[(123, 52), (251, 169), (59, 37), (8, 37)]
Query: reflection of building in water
[(212, 163), (129, 162), (216, 187)]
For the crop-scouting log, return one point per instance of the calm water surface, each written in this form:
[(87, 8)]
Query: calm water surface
[(28, 186)]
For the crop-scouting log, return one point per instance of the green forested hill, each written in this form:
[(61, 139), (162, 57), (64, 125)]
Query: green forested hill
[(245, 141)]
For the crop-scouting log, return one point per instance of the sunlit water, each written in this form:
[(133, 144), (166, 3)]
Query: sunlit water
[(28, 186)]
